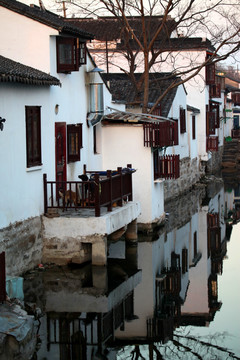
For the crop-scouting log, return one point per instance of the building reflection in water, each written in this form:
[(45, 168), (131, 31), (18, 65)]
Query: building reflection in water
[(92, 311), (83, 306)]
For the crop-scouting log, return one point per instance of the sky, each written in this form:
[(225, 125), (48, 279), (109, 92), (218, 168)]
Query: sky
[(52, 6)]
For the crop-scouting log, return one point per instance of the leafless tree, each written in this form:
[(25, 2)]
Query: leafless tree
[(152, 43)]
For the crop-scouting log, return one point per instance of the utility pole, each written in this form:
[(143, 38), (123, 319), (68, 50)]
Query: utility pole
[(64, 9), (63, 5)]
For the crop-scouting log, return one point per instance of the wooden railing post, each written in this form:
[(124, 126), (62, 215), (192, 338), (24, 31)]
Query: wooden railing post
[(109, 176), (97, 195), (130, 197), (45, 192), (119, 170)]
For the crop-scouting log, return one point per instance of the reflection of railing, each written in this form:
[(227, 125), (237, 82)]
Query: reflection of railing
[(235, 133), (2, 277), (104, 189), (116, 317), (160, 328), (212, 143)]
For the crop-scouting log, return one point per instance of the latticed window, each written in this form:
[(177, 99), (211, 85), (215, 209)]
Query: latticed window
[(210, 72), (74, 142), (70, 54)]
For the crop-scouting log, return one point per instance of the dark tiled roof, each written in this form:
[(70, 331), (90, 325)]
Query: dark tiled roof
[(122, 89), (45, 17), (12, 71), (182, 43), (111, 28)]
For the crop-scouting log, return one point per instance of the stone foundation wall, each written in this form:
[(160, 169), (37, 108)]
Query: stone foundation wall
[(214, 164), (22, 244), (189, 175)]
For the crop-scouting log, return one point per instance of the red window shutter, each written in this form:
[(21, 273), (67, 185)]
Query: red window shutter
[(210, 72), (236, 98), (217, 117), (212, 143), (215, 90), (210, 122)]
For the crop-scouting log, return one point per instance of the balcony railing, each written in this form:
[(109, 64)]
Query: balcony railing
[(166, 167), (212, 143), (102, 189), (160, 134), (235, 134)]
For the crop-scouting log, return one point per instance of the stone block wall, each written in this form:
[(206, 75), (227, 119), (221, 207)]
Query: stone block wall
[(22, 244), (213, 165), (189, 175)]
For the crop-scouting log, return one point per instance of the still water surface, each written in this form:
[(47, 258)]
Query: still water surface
[(174, 295)]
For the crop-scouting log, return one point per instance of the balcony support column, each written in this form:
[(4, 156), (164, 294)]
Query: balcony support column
[(131, 232), (99, 252)]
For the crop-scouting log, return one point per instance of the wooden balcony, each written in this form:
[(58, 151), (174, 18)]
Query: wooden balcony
[(160, 135), (166, 167), (104, 188)]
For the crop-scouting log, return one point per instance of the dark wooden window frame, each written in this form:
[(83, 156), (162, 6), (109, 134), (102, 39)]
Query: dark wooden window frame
[(215, 90), (193, 127), (182, 117), (210, 71), (195, 244), (77, 51), (184, 260), (94, 140), (214, 107), (33, 135), (236, 98), (175, 132), (74, 142)]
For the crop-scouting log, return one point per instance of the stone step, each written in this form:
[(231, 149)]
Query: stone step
[(228, 164)]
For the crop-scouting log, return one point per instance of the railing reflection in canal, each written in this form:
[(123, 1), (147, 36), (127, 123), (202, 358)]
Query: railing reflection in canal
[(179, 286)]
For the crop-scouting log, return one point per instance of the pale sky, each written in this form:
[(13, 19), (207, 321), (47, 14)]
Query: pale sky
[(51, 5)]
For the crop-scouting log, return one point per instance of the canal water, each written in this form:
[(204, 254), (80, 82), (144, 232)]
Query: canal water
[(173, 295)]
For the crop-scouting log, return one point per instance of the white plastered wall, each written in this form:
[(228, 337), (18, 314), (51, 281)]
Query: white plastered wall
[(24, 40), (122, 145)]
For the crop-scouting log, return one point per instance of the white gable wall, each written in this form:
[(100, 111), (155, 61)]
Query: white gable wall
[(122, 145), (22, 188), (25, 40), (183, 146)]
